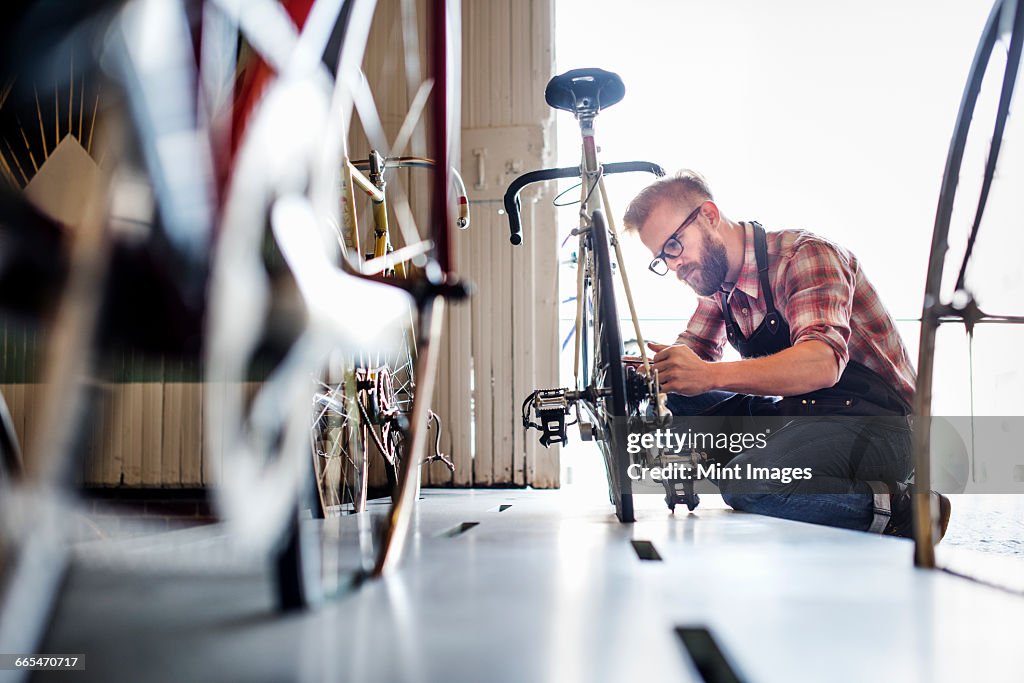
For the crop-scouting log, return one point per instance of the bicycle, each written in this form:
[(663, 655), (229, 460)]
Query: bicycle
[(261, 478), (367, 403), (615, 397)]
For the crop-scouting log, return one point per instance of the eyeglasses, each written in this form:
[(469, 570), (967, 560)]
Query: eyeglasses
[(672, 247)]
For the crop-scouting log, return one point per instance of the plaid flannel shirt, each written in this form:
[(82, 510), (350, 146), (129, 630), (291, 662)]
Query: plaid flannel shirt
[(822, 293)]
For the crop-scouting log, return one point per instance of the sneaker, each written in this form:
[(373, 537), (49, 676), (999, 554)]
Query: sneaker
[(902, 521)]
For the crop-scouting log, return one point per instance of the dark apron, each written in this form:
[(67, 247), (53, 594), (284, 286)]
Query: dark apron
[(860, 391)]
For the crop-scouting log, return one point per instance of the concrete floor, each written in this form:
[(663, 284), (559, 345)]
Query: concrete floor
[(548, 589)]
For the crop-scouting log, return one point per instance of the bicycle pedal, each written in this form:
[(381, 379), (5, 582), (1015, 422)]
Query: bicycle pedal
[(551, 407), (691, 501), (680, 491)]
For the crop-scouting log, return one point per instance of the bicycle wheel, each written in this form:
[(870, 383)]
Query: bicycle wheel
[(608, 373), (279, 304), (360, 409), (336, 444), (961, 306), (313, 306), (387, 409)]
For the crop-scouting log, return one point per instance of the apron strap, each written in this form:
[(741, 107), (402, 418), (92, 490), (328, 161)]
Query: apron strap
[(772, 320), (732, 330), (771, 317)]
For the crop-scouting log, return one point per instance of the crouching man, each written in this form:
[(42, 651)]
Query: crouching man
[(815, 340)]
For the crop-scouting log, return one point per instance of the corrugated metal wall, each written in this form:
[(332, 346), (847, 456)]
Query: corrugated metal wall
[(496, 348)]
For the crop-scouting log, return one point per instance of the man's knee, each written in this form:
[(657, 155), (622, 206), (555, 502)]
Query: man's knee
[(747, 501), (753, 495)]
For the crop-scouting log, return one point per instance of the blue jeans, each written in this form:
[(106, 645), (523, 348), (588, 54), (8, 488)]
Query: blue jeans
[(843, 454)]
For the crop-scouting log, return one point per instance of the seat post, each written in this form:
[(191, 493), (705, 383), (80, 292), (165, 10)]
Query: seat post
[(589, 146), (590, 165)]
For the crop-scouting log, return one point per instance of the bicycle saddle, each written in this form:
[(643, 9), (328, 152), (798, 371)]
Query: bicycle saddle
[(584, 90)]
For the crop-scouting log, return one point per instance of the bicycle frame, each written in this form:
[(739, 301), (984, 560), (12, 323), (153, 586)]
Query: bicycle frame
[(384, 257), (593, 174)]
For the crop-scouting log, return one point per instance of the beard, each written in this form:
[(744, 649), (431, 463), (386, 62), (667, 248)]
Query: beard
[(709, 276)]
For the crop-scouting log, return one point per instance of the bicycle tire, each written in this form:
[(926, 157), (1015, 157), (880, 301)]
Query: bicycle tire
[(609, 374), (264, 296), (933, 308), (297, 565), (263, 469)]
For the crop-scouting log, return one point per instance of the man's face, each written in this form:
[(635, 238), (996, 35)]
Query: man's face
[(701, 262)]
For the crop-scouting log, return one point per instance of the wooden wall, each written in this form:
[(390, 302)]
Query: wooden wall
[(501, 345), (147, 424)]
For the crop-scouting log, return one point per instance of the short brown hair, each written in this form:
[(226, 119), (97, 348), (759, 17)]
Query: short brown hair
[(685, 184)]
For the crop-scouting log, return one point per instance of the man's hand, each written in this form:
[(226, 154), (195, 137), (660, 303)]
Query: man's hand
[(680, 370)]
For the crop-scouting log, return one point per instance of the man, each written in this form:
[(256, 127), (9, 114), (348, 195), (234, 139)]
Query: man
[(815, 340)]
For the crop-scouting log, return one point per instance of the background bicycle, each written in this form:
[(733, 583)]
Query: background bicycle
[(361, 409)]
